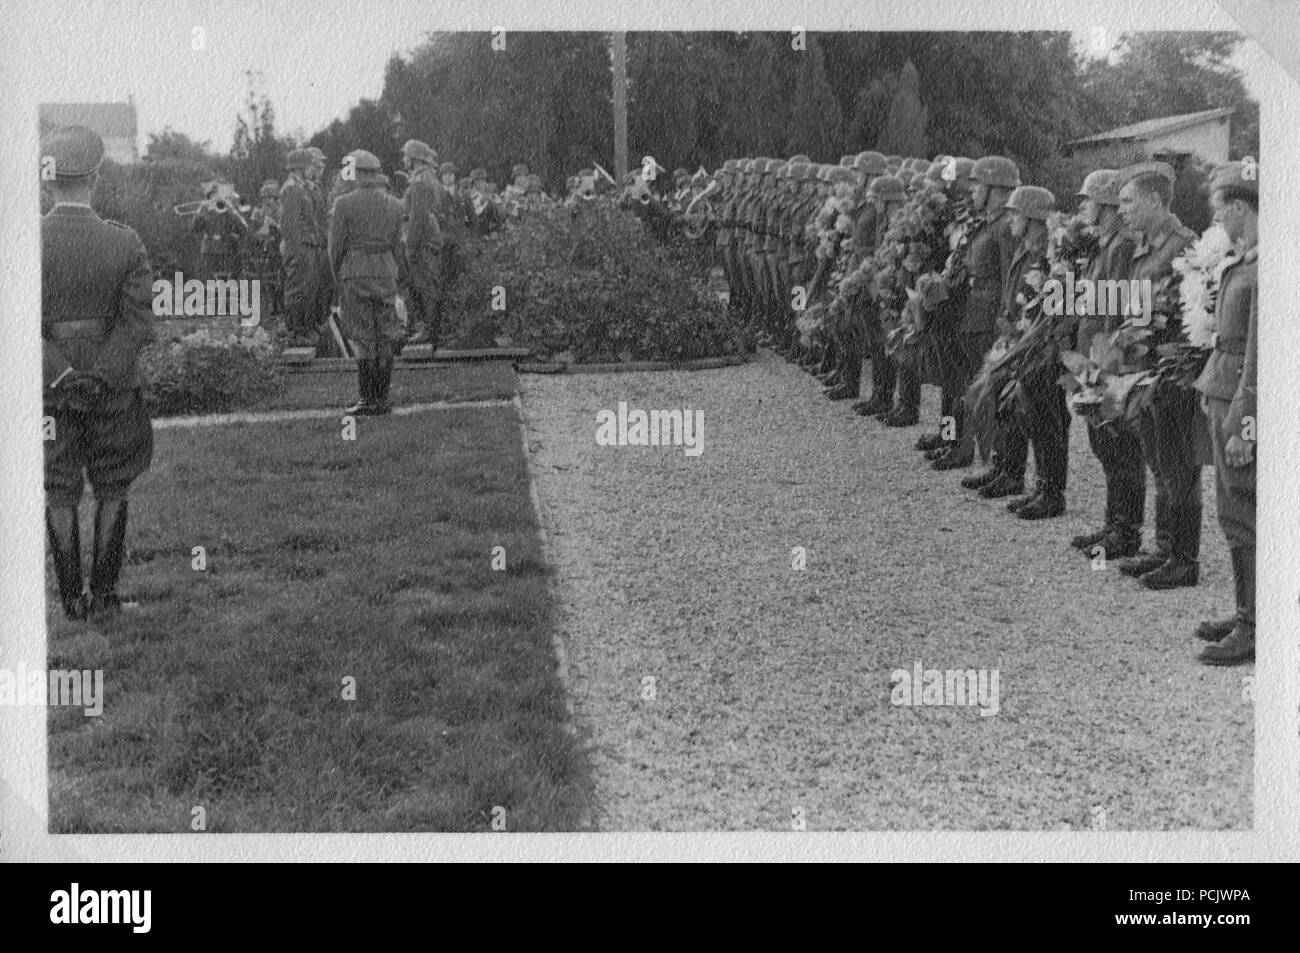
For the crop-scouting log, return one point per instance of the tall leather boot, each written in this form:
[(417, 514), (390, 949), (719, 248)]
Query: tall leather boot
[(65, 546), (106, 564), (1219, 629), (367, 374), (383, 380), (1239, 645), (1182, 568)]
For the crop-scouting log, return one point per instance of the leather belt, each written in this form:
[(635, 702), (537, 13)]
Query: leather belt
[(87, 328)]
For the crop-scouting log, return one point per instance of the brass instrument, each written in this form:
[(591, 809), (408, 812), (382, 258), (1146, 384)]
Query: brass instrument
[(223, 201), (697, 219)]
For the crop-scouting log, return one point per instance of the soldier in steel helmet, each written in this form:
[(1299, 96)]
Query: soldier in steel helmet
[(365, 244), (1115, 443), (424, 240), (96, 315), (988, 257)]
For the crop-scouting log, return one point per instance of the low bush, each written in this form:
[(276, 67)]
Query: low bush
[(588, 284), (206, 372)]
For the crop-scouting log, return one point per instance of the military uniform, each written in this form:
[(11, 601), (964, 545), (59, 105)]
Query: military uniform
[(1115, 444), (424, 239), (454, 213), (365, 244), (988, 259), (264, 246), (222, 233), (1167, 431), (303, 229), (96, 315), (1229, 385)]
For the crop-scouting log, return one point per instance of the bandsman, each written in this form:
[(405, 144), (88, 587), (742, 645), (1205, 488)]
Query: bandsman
[(223, 230)]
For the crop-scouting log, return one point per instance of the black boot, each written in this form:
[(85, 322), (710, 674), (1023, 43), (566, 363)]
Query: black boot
[(367, 374), (1048, 504), (1140, 564), (1118, 544), (106, 564), (1239, 645), (980, 480), (931, 441), (65, 546), (1020, 502), (1005, 484), (383, 380), (957, 457), (1086, 541), (1219, 629), (1182, 567)]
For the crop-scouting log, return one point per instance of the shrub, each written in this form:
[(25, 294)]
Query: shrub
[(589, 284), (206, 372)]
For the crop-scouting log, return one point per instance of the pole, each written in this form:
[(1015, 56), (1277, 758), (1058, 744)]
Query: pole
[(618, 54)]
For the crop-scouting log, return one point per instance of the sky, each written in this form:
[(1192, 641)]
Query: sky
[(184, 61)]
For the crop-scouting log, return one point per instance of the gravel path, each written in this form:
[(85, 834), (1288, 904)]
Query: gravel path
[(772, 687)]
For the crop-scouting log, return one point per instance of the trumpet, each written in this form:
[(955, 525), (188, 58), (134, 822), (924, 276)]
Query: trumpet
[(191, 208)]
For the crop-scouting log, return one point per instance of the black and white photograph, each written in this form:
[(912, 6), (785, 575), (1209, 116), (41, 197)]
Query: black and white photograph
[(484, 424)]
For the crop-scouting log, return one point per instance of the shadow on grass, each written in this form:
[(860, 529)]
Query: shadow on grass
[(329, 563)]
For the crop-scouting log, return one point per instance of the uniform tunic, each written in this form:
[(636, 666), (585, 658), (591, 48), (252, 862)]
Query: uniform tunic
[(1229, 383), (96, 315), (307, 282), (365, 242)]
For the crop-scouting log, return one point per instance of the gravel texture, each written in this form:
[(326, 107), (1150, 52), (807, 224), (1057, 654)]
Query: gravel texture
[(772, 685)]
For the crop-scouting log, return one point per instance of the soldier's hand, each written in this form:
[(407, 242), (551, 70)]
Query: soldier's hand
[(1238, 452), (81, 393)]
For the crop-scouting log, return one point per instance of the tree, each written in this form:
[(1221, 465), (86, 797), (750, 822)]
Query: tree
[(904, 132), (816, 121), (257, 154), (170, 145)]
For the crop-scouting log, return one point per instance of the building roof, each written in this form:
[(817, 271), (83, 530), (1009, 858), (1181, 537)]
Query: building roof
[(110, 120), (1156, 127)]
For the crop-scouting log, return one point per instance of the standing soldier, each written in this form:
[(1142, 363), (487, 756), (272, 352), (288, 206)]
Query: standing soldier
[(223, 229), (1046, 423), (454, 214), (1115, 444), (1229, 388), (264, 243), (307, 286), (424, 195), (987, 259), (871, 166), (96, 315), (365, 243), (1167, 428)]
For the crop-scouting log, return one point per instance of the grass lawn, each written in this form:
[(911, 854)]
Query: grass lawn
[(326, 559), (453, 382)]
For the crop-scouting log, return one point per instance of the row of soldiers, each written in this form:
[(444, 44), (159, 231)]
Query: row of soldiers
[(792, 235)]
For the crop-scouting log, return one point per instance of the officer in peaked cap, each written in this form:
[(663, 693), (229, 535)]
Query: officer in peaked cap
[(1168, 428), (1228, 385), (96, 315), (365, 244)]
